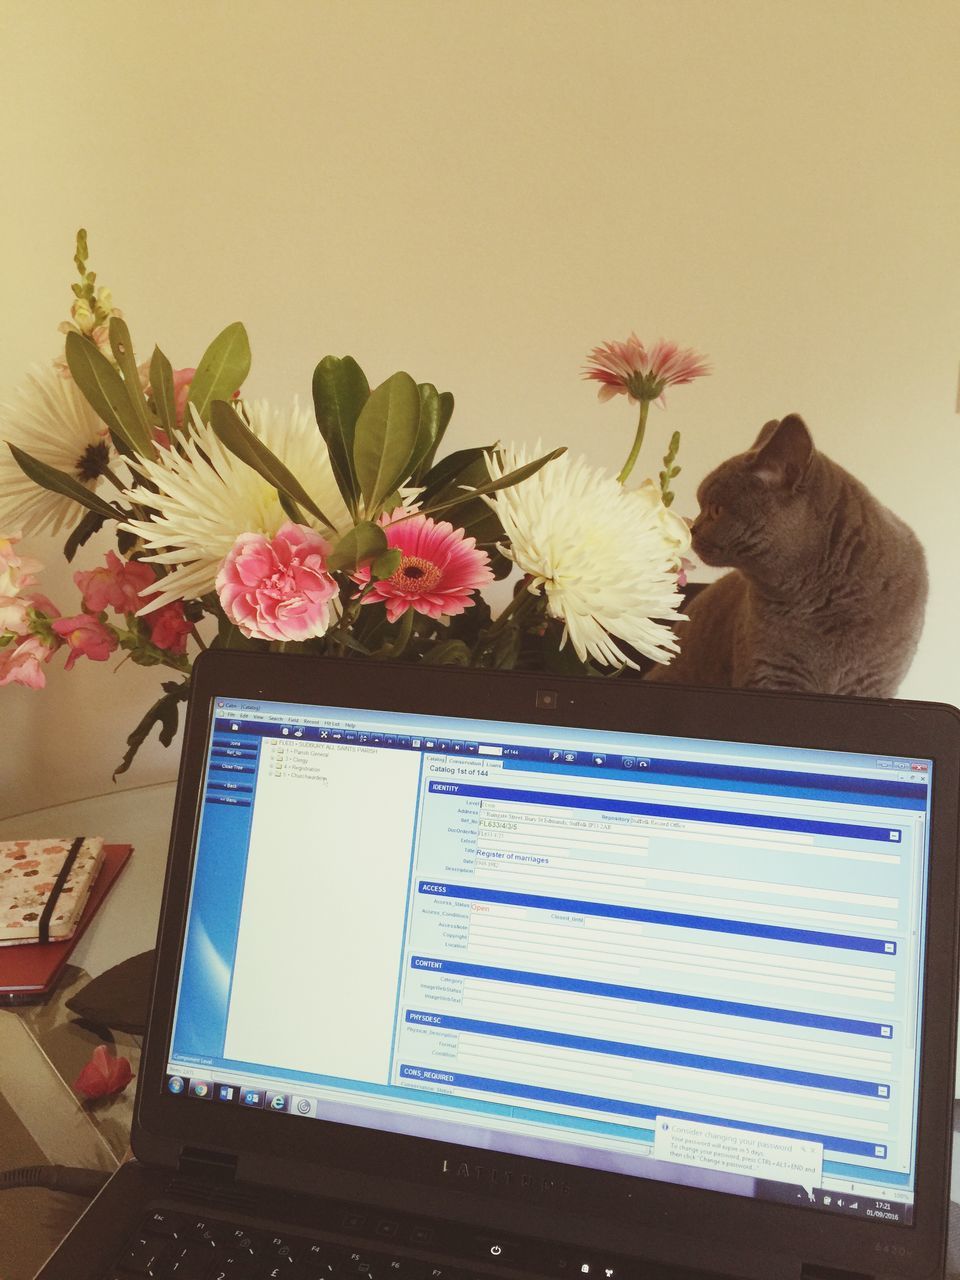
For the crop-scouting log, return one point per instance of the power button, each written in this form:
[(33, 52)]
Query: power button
[(496, 1250)]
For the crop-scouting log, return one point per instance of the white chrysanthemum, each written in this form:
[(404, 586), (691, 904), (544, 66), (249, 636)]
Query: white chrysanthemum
[(600, 553), (675, 529), (206, 497), (53, 423)]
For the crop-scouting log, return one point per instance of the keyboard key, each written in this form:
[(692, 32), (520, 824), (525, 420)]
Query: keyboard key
[(243, 1240), (316, 1269), (163, 1223), (319, 1261), (194, 1262), (285, 1249), (233, 1268), (144, 1257)]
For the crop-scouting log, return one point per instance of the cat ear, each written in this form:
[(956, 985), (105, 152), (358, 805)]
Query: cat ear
[(783, 452), (766, 431)]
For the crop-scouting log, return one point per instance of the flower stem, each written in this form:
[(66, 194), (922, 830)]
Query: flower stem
[(519, 598), (395, 650), (113, 478), (637, 442)]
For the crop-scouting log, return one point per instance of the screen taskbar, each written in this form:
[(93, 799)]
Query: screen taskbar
[(843, 1193)]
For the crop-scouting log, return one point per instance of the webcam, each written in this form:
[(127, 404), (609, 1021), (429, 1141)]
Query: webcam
[(547, 700)]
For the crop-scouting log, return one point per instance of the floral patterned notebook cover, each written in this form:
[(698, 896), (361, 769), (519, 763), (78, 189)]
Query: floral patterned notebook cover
[(29, 874)]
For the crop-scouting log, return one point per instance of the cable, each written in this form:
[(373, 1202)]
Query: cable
[(55, 1177)]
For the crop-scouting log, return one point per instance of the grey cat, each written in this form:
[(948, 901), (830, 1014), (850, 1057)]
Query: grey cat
[(828, 589)]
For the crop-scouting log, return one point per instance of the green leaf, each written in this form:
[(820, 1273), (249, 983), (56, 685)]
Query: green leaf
[(353, 644), (122, 347), (234, 433), (365, 542), (161, 389), (493, 486), (428, 426), (455, 478), (393, 500), (90, 524), (385, 437), (164, 713), (290, 508), (451, 469), (222, 369), (340, 390), (106, 393), (451, 653), (387, 564), (229, 636), (48, 477), (506, 650), (500, 565), (446, 413), (470, 625)]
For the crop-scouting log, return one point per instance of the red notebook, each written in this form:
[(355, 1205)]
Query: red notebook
[(29, 972)]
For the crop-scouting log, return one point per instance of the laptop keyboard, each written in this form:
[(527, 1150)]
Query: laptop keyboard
[(178, 1246)]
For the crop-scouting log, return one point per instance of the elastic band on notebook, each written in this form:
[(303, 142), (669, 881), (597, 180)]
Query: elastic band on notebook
[(61, 880)]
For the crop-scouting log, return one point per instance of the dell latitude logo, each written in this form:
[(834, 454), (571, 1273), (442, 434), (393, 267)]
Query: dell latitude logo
[(491, 1176)]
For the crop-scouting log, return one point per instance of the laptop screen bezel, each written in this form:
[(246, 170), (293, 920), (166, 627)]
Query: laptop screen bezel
[(624, 1213)]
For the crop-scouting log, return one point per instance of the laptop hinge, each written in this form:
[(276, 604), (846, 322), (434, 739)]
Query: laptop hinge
[(207, 1166), (809, 1272)]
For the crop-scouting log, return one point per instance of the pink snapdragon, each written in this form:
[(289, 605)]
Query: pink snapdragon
[(26, 639), (278, 588), (182, 379), (16, 571), (86, 636), (117, 585), (169, 628), (440, 568), (22, 661), (14, 616)]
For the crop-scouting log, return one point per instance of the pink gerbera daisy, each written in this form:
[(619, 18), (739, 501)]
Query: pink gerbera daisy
[(629, 368), (439, 569)]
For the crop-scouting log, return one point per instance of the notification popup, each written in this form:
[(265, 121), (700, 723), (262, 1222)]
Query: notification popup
[(755, 1155)]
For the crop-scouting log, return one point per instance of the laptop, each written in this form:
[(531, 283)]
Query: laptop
[(466, 974)]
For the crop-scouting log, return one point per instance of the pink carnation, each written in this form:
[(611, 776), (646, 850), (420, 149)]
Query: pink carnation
[(278, 588), (169, 628), (117, 586), (439, 568), (21, 662), (86, 636)]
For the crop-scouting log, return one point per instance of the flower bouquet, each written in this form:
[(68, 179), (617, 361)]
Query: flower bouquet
[(242, 524)]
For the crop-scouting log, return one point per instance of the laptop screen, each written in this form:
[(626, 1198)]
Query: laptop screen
[(692, 961)]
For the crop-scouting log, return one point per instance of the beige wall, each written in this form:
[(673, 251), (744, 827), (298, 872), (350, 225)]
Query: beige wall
[(480, 193)]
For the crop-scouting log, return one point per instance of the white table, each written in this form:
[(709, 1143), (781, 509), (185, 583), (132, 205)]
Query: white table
[(127, 922), (42, 1047)]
